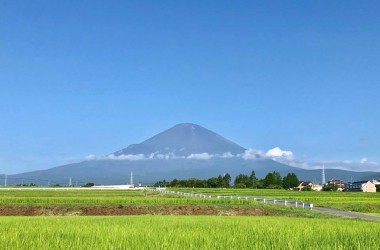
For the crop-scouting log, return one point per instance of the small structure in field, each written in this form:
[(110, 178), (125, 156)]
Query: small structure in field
[(307, 185), (362, 186), (114, 187)]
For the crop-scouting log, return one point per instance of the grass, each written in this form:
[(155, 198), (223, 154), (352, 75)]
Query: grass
[(61, 202), (347, 201), (281, 228), (186, 232)]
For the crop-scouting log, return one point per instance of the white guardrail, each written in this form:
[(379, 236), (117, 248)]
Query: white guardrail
[(265, 200), (275, 201), (205, 196)]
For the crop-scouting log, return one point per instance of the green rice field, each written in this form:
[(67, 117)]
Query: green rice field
[(186, 232), (63, 202), (281, 228), (347, 201), (100, 197)]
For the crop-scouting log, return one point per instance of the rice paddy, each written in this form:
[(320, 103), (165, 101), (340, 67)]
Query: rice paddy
[(186, 232), (281, 228), (347, 201)]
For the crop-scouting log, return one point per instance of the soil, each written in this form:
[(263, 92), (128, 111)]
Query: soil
[(130, 210)]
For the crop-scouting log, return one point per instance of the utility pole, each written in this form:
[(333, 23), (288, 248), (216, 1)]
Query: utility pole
[(70, 182), (131, 178), (5, 180)]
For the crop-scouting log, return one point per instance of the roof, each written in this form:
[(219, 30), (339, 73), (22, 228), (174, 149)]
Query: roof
[(358, 182)]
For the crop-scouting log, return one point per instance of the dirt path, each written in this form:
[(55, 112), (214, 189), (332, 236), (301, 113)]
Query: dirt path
[(131, 210), (346, 214)]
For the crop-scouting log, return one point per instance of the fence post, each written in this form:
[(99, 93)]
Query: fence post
[(285, 203), (296, 204)]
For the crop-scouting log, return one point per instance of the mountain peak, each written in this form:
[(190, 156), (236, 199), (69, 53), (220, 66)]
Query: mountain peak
[(183, 139)]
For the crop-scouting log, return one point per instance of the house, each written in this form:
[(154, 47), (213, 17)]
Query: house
[(303, 184), (362, 186), (317, 187), (339, 183)]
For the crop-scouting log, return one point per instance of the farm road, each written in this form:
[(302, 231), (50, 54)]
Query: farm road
[(346, 214)]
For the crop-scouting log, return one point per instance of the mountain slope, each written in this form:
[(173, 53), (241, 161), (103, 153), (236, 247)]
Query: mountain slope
[(183, 140), (149, 171)]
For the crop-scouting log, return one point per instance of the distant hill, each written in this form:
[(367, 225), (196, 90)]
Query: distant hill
[(183, 151)]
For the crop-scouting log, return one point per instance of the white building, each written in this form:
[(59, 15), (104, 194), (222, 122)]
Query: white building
[(362, 186)]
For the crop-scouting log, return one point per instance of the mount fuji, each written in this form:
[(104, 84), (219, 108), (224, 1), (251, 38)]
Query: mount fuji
[(183, 151)]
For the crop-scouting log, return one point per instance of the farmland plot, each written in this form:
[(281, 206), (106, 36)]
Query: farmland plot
[(186, 232)]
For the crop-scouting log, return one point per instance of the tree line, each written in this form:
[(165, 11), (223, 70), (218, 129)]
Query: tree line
[(272, 180)]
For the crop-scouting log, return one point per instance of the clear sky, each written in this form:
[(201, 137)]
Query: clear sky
[(91, 77)]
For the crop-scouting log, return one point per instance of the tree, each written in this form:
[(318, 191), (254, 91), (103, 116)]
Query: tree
[(254, 179), (260, 183), (226, 180), (174, 183), (200, 183), (212, 182), (290, 181), (163, 183), (220, 181), (307, 188), (273, 180), (89, 184), (330, 187), (242, 180), (240, 185), (377, 188)]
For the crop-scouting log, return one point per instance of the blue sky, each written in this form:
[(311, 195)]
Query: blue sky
[(91, 77)]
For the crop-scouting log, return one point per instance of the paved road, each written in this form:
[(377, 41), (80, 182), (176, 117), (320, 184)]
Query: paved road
[(346, 214)]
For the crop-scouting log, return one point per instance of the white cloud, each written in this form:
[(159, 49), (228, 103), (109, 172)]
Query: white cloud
[(129, 157), (226, 155), (347, 162), (278, 153), (201, 156), (251, 154), (90, 157)]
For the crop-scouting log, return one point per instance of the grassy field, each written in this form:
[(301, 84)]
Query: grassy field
[(280, 228), (186, 232), (121, 202), (348, 201)]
